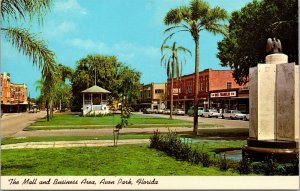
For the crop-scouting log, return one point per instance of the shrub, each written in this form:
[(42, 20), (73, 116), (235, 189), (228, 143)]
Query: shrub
[(205, 160), (223, 163), (244, 166)]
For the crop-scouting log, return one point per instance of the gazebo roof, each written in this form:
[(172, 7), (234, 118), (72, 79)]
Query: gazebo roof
[(95, 89)]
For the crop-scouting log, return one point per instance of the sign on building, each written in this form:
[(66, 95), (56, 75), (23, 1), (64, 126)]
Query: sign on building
[(223, 94)]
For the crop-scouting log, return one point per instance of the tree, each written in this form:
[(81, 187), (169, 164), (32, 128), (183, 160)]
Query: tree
[(45, 86), (249, 29), (171, 61), (25, 42), (106, 72), (62, 91), (197, 17)]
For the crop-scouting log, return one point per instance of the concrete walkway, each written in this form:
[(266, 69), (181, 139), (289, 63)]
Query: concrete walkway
[(65, 144)]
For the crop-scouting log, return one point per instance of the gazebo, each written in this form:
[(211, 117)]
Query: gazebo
[(96, 102)]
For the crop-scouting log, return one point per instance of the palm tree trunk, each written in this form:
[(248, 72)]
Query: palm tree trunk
[(195, 130), (172, 84), (47, 108)]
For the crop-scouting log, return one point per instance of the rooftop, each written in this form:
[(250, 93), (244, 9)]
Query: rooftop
[(95, 89)]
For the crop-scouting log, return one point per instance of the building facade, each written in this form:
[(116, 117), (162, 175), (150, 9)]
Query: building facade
[(217, 89), (153, 96), (13, 96)]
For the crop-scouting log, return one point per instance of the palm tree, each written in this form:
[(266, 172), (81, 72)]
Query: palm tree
[(171, 62), (46, 85), (196, 17), (24, 41)]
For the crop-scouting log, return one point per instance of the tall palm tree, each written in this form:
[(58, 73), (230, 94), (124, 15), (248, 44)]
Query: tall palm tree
[(24, 41), (171, 62), (196, 17)]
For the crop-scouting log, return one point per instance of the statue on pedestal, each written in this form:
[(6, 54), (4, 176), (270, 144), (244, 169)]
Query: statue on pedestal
[(273, 46)]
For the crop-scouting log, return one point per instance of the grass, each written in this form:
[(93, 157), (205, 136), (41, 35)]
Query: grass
[(69, 121), (12, 140), (233, 135), (105, 161)]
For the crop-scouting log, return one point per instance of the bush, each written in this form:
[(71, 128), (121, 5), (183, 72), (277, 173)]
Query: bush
[(173, 146), (244, 166), (223, 165)]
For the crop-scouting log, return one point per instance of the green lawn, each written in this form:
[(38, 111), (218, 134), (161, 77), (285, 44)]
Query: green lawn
[(64, 121), (99, 161)]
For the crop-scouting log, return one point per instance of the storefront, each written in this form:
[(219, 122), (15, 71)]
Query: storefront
[(224, 100)]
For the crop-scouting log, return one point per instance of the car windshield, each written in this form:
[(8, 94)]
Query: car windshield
[(236, 111)]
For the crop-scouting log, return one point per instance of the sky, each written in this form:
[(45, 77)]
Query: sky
[(131, 30)]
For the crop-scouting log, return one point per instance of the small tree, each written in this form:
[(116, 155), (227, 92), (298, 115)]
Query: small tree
[(171, 61)]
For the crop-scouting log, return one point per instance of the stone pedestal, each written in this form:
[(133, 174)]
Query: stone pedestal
[(274, 106)]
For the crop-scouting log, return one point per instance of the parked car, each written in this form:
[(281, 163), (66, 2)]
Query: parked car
[(147, 111), (160, 111), (233, 114), (246, 117), (191, 111), (179, 112), (211, 113), (166, 111)]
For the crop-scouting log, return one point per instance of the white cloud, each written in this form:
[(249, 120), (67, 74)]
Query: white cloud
[(57, 29), (87, 44), (125, 51), (66, 26), (69, 5)]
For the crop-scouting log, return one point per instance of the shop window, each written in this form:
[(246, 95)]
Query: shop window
[(229, 85), (159, 91)]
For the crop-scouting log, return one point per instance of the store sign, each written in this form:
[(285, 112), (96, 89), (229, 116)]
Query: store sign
[(223, 94), (176, 91)]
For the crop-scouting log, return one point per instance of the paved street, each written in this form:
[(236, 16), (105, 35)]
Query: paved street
[(12, 126), (13, 123), (219, 121)]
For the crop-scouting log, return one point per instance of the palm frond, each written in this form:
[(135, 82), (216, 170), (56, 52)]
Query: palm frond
[(181, 48), (216, 28), (199, 9), (21, 9), (30, 45), (174, 16), (217, 14)]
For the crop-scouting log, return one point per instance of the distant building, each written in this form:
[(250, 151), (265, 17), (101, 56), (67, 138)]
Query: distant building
[(13, 96), (217, 89), (153, 96)]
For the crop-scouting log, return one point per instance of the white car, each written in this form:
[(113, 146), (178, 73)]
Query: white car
[(166, 111), (211, 113), (233, 114), (179, 112)]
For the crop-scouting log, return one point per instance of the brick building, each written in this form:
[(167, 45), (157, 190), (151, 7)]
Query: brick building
[(153, 96), (217, 89), (13, 96)]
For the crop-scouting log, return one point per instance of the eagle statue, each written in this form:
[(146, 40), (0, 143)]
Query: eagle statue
[(273, 46)]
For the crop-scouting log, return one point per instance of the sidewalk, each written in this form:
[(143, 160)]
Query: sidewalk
[(83, 143)]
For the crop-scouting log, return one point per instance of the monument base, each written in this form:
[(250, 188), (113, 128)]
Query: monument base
[(258, 150)]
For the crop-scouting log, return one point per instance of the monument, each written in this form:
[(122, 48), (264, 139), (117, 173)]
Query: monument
[(274, 107)]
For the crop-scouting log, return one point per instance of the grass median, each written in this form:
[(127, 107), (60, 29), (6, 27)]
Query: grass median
[(69, 121)]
